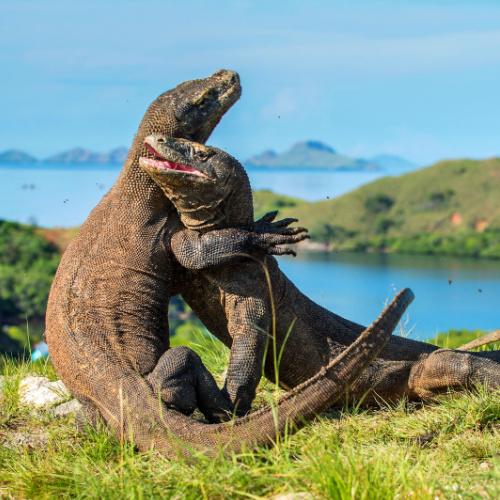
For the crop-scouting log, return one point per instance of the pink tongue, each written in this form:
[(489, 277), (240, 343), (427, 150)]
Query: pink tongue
[(170, 165), (179, 166)]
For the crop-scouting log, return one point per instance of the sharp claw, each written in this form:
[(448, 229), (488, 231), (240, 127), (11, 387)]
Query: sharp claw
[(285, 222), (270, 216)]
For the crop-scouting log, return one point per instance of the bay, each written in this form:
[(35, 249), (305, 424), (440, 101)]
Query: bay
[(450, 293)]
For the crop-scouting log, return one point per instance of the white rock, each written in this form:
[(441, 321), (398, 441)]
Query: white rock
[(68, 408), (40, 391)]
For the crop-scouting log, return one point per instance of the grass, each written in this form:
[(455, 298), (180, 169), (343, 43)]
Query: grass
[(448, 449), (456, 338)]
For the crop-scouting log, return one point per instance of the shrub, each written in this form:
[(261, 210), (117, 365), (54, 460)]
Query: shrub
[(379, 203), (27, 265)]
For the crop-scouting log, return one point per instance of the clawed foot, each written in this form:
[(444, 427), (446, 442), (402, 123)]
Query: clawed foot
[(269, 235), (183, 382)]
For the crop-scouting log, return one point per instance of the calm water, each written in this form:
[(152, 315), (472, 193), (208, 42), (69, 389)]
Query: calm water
[(64, 195), (355, 286)]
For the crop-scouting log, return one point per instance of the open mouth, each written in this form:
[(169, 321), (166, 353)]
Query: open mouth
[(161, 163)]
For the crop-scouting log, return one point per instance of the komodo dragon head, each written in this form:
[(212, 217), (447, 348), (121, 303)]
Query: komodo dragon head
[(190, 110), (209, 188)]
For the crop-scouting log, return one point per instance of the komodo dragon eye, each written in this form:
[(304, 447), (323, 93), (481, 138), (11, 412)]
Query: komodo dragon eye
[(203, 155)]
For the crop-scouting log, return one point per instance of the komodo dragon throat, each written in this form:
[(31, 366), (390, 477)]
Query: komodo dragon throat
[(106, 317)]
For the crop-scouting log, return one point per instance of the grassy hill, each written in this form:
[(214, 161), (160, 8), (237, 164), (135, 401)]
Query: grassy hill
[(452, 207)]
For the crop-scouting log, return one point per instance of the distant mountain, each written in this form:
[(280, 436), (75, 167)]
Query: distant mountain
[(86, 156), (311, 154), (17, 157), (393, 162), (304, 154), (118, 155), (75, 156)]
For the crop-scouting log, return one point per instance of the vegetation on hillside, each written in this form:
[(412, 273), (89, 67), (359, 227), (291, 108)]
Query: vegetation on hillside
[(266, 201), (27, 265), (451, 208)]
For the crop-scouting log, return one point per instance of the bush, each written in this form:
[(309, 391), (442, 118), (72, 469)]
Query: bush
[(383, 225), (329, 234), (27, 265), (440, 199), (379, 203)]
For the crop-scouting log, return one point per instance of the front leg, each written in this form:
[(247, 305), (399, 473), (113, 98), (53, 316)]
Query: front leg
[(248, 325), (196, 251)]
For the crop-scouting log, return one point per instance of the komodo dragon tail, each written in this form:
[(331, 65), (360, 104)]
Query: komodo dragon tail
[(137, 414)]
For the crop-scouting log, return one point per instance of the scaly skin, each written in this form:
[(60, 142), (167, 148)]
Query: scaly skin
[(106, 319)]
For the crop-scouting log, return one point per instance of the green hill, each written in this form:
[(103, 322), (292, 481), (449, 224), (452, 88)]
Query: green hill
[(450, 208)]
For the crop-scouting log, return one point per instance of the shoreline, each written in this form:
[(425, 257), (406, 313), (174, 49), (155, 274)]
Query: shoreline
[(317, 247)]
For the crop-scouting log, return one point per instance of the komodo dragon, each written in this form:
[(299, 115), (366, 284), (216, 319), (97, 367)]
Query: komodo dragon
[(106, 318), (240, 288), (211, 191)]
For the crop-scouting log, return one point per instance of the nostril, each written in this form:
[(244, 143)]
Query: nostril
[(161, 140)]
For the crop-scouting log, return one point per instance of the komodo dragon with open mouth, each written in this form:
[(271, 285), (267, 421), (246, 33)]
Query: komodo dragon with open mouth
[(106, 321), (233, 299)]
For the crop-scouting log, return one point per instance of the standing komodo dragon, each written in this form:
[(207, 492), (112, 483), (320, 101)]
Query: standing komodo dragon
[(235, 296), (106, 322)]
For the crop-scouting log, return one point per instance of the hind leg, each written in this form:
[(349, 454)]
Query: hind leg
[(183, 382), (432, 374), (447, 369), (248, 325)]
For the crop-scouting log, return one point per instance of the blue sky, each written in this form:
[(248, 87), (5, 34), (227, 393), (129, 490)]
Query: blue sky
[(416, 78)]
